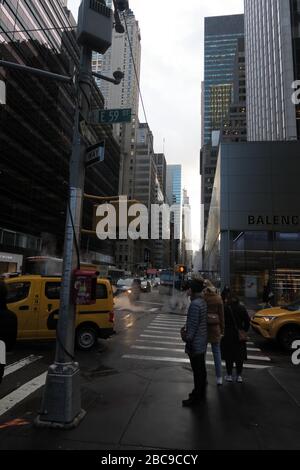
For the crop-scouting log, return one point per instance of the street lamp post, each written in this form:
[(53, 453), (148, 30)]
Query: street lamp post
[(61, 404)]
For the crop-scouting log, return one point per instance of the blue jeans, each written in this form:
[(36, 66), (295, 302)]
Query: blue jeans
[(216, 350)]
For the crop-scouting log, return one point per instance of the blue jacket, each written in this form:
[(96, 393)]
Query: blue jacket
[(196, 327)]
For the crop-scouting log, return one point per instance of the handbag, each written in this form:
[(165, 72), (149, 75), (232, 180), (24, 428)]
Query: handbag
[(213, 319), (242, 334), (183, 334), (243, 337)]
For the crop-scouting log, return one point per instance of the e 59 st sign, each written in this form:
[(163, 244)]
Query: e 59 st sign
[(113, 116)]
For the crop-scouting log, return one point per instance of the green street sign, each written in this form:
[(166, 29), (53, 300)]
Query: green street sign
[(113, 116)]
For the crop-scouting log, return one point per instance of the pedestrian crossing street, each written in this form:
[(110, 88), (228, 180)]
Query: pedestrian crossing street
[(161, 342)]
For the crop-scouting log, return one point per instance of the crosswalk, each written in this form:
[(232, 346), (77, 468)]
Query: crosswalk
[(161, 342), (20, 392)]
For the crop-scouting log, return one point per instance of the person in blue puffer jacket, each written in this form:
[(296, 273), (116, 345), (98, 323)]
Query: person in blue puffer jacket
[(195, 337)]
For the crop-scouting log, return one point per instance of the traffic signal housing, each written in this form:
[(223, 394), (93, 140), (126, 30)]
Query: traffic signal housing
[(181, 269)]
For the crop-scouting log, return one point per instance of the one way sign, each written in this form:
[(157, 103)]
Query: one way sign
[(95, 154)]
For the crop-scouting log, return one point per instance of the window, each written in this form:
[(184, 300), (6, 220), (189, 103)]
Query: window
[(17, 291), (101, 291), (52, 290)]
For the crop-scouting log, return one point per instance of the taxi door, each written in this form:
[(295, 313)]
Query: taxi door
[(49, 307), (23, 299)]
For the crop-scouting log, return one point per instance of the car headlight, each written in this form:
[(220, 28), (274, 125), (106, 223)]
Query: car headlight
[(129, 291), (268, 318)]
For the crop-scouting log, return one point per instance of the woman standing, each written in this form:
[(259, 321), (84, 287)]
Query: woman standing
[(215, 324), (234, 342)]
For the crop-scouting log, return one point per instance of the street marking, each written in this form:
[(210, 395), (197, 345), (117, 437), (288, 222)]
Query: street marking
[(21, 393), (174, 343), (148, 330), (149, 303), (163, 328), (157, 336), (153, 309), (166, 323), (183, 361), (20, 364), (155, 348)]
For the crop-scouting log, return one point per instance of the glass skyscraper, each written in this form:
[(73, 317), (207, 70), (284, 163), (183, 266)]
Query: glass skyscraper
[(221, 39), (174, 195), (273, 64)]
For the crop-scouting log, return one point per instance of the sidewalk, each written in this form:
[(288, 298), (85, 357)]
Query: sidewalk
[(142, 410)]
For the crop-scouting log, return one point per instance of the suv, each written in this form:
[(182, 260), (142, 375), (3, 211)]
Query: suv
[(279, 323), (35, 301)]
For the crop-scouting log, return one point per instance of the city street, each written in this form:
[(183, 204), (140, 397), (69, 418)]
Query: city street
[(132, 387)]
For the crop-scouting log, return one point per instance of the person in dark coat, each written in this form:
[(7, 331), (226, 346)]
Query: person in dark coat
[(233, 350), (225, 293), (8, 325), (195, 336)]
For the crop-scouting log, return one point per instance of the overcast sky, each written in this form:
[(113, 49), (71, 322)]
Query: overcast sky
[(172, 70)]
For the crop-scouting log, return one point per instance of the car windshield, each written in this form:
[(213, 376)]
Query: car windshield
[(293, 307), (125, 282)]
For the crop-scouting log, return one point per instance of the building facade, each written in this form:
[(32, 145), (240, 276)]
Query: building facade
[(174, 197), (220, 39), (36, 131), (253, 234), (272, 30)]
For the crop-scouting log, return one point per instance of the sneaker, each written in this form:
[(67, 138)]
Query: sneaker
[(228, 378), (239, 379), (219, 381)]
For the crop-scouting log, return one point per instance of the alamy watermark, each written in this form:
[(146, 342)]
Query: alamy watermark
[(296, 354), (134, 220), (2, 353)]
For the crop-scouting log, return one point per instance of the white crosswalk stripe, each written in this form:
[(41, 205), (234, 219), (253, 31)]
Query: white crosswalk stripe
[(11, 368), (22, 391), (160, 342)]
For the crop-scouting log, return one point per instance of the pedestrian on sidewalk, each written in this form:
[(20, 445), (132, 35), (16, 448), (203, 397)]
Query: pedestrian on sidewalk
[(234, 342), (195, 336), (215, 323), (8, 325)]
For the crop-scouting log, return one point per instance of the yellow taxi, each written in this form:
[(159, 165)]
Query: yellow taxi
[(35, 301), (279, 323)]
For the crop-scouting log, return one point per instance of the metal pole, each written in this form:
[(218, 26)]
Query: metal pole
[(61, 405), (33, 71)]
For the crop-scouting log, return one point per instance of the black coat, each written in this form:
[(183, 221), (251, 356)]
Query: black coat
[(8, 328), (236, 318)]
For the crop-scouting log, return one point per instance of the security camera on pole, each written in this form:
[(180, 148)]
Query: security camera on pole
[(61, 404)]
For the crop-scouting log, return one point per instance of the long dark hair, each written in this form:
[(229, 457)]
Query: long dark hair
[(3, 295)]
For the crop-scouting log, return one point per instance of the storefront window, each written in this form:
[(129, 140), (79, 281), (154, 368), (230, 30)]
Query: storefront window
[(259, 258)]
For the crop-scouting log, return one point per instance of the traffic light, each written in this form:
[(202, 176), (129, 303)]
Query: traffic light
[(181, 269)]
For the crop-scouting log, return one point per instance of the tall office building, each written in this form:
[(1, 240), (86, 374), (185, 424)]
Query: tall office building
[(272, 29), (36, 131), (174, 197), (221, 37), (221, 42)]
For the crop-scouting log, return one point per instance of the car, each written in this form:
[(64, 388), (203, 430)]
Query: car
[(145, 285), (281, 324), (35, 300), (128, 287)]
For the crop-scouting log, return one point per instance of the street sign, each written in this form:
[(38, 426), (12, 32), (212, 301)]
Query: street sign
[(95, 154), (113, 116)]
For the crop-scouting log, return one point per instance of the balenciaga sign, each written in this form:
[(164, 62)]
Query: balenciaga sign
[(280, 220)]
